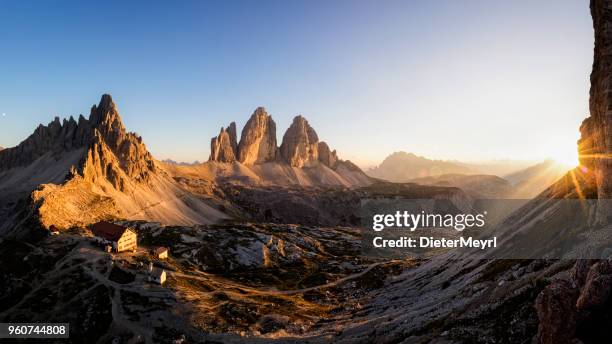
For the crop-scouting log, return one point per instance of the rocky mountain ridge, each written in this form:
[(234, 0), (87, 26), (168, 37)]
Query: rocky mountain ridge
[(54, 138), (103, 134), (73, 173), (76, 173), (300, 146)]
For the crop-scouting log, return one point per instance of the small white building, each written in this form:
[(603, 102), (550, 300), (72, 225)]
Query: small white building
[(156, 275), (160, 252)]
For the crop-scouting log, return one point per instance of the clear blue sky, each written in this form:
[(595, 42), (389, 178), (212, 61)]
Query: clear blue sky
[(447, 79)]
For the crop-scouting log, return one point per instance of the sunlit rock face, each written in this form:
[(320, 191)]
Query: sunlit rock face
[(258, 139), (224, 148), (595, 144), (300, 143)]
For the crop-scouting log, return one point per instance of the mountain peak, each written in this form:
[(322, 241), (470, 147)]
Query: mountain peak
[(112, 145), (258, 139), (259, 111), (106, 102), (403, 167), (105, 113), (300, 143)]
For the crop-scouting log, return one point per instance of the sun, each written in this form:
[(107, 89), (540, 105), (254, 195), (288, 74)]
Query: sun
[(566, 156)]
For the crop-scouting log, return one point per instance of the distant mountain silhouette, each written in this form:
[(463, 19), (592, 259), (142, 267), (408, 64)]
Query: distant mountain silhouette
[(180, 163), (403, 167)]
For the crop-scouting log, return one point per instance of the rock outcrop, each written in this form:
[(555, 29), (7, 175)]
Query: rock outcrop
[(258, 139), (224, 148), (300, 143), (326, 156), (595, 144), (581, 298)]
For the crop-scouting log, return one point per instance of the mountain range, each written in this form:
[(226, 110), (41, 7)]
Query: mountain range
[(301, 159), (84, 170), (515, 180), (402, 167), (284, 260)]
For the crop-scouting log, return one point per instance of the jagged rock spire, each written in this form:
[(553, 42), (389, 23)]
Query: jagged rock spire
[(105, 117), (258, 139), (300, 146), (224, 148)]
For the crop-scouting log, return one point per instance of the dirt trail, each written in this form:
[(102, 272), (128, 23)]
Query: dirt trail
[(287, 292)]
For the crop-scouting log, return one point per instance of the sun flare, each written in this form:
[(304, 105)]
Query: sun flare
[(568, 157)]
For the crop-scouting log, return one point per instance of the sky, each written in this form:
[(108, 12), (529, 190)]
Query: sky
[(465, 80)]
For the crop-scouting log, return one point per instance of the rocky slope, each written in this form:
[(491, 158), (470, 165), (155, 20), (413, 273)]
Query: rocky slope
[(344, 174)]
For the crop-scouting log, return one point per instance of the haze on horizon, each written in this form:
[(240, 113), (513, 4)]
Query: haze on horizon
[(469, 80)]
